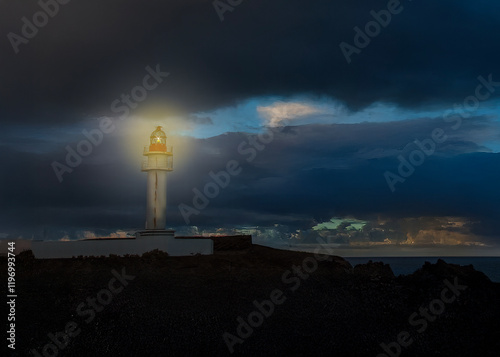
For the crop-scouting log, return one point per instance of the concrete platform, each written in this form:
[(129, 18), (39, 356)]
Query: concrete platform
[(145, 241)]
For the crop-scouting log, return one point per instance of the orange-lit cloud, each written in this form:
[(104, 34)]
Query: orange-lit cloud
[(280, 111)]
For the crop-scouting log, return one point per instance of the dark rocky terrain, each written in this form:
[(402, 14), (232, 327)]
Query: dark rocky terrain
[(182, 306)]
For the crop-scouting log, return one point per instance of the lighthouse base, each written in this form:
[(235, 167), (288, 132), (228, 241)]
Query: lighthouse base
[(145, 241), (154, 233)]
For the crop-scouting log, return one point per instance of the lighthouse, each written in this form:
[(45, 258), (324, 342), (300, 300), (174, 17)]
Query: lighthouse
[(159, 162)]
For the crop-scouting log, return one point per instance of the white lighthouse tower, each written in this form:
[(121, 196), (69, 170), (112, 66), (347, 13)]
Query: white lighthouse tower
[(155, 237), (159, 163)]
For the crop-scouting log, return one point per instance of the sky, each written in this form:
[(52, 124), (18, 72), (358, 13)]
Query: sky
[(367, 127)]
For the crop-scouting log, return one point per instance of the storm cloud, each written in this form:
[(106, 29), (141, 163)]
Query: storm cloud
[(428, 58), (91, 52)]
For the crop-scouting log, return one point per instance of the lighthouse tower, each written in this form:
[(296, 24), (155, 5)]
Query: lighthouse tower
[(159, 162)]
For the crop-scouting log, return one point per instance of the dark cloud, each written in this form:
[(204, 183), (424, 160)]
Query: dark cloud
[(92, 51), (306, 174)]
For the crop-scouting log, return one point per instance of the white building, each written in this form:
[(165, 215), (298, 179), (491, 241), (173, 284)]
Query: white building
[(159, 163)]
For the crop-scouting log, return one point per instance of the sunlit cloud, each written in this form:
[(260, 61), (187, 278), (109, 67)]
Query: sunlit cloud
[(442, 237), (87, 235), (410, 231), (93, 235), (276, 113), (119, 234)]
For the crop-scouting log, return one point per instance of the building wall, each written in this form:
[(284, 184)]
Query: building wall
[(170, 245), (228, 243)]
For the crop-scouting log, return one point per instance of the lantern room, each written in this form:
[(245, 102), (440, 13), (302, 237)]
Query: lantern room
[(159, 155), (158, 140)]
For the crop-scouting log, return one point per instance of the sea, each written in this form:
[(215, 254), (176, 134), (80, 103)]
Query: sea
[(490, 266)]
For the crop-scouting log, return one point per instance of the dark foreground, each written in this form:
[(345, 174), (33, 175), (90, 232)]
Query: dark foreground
[(157, 305)]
